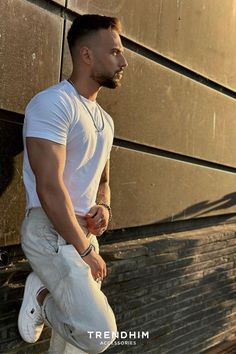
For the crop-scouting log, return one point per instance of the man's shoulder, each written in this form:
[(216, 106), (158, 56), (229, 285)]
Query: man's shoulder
[(57, 94)]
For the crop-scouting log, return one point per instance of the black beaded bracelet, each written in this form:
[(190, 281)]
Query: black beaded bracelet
[(87, 251), (108, 208)]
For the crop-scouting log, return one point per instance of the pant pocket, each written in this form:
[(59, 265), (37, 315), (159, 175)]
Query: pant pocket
[(72, 258), (49, 239)]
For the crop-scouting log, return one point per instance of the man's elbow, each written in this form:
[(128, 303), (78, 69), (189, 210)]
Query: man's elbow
[(48, 187)]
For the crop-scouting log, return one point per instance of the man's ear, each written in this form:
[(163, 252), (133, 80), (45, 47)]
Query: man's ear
[(86, 55)]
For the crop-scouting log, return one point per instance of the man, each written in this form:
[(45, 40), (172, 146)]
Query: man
[(68, 138)]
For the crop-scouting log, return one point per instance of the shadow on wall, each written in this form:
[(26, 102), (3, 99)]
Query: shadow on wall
[(10, 146), (11, 201), (193, 217), (205, 207)]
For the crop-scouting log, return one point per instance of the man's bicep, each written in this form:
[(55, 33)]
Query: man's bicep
[(46, 158)]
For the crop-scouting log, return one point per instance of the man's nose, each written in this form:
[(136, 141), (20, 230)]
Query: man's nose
[(124, 62)]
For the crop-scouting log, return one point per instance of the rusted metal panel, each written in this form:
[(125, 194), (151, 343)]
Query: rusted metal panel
[(163, 109), (198, 34), (153, 190), (60, 2), (31, 40), (12, 196), (149, 189), (67, 62)]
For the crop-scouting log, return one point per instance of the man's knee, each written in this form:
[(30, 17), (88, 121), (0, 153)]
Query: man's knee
[(101, 334), (99, 341)]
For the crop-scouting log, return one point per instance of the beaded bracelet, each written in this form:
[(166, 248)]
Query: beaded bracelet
[(87, 251), (108, 208)]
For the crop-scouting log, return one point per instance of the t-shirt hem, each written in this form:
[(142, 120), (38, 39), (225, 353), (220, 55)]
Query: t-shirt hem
[(77, 212)]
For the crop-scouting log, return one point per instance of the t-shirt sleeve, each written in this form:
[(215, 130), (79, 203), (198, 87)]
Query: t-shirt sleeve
[(48, 116)]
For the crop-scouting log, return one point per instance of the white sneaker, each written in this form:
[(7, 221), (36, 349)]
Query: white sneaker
[(30, 320)]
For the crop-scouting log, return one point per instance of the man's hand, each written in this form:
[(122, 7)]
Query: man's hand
[(97, 219), (97, 265)]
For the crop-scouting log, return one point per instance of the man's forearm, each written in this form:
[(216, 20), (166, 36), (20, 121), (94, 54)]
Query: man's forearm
[(57, 204), (104, 193)]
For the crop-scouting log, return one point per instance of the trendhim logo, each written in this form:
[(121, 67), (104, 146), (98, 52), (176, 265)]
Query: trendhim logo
[(118, 337)]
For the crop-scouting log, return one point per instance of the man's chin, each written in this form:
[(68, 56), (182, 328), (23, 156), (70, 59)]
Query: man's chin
[(112, 84)]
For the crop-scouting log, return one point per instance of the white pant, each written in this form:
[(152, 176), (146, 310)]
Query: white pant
[(76, 309)]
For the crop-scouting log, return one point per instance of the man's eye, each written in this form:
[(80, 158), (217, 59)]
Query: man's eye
[(115, 53)]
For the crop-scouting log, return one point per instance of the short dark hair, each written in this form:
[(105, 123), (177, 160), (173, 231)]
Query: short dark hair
[(87, 24)]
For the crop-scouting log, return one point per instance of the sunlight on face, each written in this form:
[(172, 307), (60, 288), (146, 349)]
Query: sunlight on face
[(108, 59)]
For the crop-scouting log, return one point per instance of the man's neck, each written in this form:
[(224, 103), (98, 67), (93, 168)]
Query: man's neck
[(85, 87)]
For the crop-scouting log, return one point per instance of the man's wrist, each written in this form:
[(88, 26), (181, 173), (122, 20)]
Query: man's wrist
[(108, 207), (87, 251)]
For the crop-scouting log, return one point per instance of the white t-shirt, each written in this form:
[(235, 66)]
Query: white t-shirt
[(57, 114)]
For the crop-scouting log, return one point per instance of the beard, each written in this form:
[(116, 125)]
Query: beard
[(111, 82)]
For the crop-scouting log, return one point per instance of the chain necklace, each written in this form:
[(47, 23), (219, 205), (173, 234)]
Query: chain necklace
[(88, 110)]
